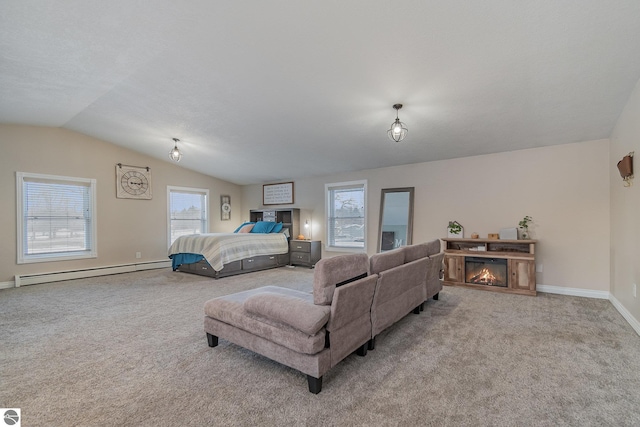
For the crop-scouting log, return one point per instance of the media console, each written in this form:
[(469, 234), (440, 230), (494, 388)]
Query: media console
[(491, 264)]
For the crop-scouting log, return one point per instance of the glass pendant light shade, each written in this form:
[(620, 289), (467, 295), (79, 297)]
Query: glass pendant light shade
[(175, 154), (398, 130)]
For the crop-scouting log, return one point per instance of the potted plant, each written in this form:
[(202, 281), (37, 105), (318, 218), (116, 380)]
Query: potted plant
[(454, 229), (524, 226)]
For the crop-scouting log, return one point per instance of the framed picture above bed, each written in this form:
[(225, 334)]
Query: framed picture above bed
[(277, 194)]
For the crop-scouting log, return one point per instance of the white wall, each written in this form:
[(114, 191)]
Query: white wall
[(625, 206), (564, 188), (124, 226)]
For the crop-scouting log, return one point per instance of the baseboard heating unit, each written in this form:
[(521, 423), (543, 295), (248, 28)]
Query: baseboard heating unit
[(34, 279)]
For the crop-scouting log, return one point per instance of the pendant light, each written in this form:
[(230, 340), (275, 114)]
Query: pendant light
[(175, 154), (398, 130)]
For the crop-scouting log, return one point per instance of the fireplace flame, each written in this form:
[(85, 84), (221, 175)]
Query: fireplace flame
[(485, 277)]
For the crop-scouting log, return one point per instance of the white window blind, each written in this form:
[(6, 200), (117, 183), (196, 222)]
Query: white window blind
[(346, 215), (56, 217), (188, 211)]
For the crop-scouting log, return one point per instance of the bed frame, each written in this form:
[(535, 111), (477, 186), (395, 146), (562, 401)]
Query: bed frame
[(289, 217), (247, 265)]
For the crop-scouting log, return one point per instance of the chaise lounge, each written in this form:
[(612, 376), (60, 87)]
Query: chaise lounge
[(308, 332)]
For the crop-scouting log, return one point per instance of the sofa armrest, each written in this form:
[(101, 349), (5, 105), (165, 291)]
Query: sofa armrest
[(295, 312), (436, 266)]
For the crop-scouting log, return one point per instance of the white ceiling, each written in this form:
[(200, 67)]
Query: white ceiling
[(262, 91)]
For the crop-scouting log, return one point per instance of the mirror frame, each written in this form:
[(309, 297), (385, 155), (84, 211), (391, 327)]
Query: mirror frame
[(383, 193)]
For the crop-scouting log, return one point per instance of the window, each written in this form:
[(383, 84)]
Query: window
[(188, 211), (346, 216), (56, 217)]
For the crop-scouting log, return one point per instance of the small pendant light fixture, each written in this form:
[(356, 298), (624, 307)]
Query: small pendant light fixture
[(398, 130), (175, 154)]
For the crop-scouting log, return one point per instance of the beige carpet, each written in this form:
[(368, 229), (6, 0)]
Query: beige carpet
[(129, 350)]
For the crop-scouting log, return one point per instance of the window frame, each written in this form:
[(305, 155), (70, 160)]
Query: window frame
[(328, 206), (91, 252), (188, 190)]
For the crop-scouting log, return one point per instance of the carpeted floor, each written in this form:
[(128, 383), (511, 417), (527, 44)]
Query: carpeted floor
[(130, 350)]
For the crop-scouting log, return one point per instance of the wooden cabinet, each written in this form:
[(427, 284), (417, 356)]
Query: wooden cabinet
[(520, 275), (453, 269), (304, 252)]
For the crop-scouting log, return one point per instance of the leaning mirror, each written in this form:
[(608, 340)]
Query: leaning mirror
[(396, 218)]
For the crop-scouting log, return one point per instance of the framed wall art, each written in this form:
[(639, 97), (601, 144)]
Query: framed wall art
[(277, 194), (225, 208)]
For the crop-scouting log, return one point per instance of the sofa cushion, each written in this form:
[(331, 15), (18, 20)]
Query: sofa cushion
[(386, 260), (398, 291), (350, 322), (433, 246), (331, 271), (230, 309), (414, 252), (295, 312), (352, 301), (397, 280)]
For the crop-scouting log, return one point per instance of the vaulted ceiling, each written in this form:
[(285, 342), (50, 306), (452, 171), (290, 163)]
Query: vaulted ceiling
[(261, 91)]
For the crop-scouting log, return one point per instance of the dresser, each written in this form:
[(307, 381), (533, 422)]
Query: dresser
[(304, 252)]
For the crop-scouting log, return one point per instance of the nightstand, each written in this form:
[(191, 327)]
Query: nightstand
[(304, 252)]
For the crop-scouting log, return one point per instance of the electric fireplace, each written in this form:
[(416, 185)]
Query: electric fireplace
[(486, 271)]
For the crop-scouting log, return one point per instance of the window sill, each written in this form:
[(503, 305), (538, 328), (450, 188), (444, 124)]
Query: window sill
[(55, 257)]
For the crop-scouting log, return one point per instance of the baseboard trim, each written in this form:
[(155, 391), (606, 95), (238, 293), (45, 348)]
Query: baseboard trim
[(7, 285), (588, 293), (635, 324), (576, 292), (34, 279)]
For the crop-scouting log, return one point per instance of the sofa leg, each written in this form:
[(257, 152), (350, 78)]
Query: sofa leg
[(212, 340), (416, 310), (362, 350), (372, 343), (435, 297), (315, 384), (422, 307)]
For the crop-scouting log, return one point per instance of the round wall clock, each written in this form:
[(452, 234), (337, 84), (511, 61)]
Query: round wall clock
[(133, 182)]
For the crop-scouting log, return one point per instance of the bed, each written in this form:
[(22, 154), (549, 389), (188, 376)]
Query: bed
[(225, 254)]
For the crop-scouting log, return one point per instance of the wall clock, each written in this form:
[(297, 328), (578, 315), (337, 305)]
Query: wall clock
[(133, 182), (225, 208)]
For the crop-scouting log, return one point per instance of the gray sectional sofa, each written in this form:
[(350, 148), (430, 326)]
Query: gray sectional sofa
[(354, 299)]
